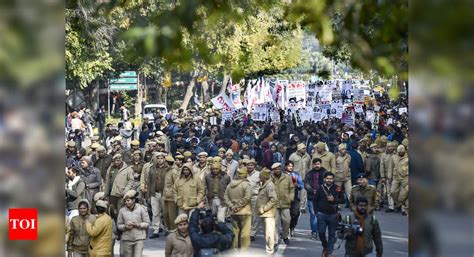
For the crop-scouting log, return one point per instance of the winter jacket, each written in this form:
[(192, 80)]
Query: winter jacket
[(76, 234), (285, 191), (267, 200), (267, 158), (100, 236), (254, 182), (356, 164), (169, 192), (302, 163), (139, 215), (178, 246), (328, 160), (103, 165), (93, 180), (321, 203), (75, 190), (189, 191), (385, 159), (312, 181), (119, 181), (372, 234), (372, 166), (343, 170), (238, 194), (223, 181), (156, 175), (200, 172), (221, 241)]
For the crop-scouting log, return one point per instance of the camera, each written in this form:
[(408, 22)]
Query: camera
[(203, 214), (354, 229)]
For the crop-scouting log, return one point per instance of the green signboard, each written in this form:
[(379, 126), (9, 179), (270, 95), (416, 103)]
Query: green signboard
[(115, 86), (123, 81), (128, 74), (127, 81)]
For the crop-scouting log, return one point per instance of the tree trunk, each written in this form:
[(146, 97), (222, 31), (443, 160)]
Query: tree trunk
[(160, 94), (189, 92), (224, 83), (212, 88), (205, 90)]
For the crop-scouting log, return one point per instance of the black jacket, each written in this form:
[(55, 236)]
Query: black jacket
[(309, 183), (221, 241), (321, 203)]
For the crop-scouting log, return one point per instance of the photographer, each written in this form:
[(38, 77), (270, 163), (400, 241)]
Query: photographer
[(212, 236), (359, 240), (325, 202)]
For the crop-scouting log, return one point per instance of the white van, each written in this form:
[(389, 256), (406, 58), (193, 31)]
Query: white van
[(149, 109)]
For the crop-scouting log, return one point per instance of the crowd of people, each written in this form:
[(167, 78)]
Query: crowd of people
[(187, 178)]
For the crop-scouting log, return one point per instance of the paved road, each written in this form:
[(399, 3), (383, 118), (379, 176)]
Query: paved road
[(394, 234)]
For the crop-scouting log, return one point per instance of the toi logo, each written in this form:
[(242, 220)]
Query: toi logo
[(23, 224)]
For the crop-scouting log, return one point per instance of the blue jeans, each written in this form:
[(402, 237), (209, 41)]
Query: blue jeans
[(327, 222), (313, 220), (373, 182)]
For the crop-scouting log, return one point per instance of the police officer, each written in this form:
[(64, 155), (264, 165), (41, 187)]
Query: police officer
[(266, 208), (362, 189), (237, 197), (386, 174), (286, 193), (400, 180)]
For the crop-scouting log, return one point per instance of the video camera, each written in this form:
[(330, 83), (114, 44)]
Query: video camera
[(351, 228), (203, 213)]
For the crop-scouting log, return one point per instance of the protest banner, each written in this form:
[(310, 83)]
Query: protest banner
[(235, 96), (402, 110), (358, 96), (296, 93), (348, 118), (358, 108), (310, 95), (222, 101), (227, 114), (240, 113), (259, 112)]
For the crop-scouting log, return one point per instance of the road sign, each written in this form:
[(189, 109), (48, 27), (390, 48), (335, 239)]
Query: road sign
[(123, 86), (123, 81)]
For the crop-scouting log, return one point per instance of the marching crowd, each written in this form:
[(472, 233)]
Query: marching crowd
[(182, 177)]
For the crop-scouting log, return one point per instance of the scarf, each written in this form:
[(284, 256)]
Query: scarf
[(71, 183), (360, 239)]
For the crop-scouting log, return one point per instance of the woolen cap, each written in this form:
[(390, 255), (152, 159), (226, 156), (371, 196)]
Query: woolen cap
[(71, 144), (202, 154), (135, 142), (181, 218), (101, 203), (321, 145), (342, 146), (169, 158), (242, 173), (98, 196), (95, 145), (117, 156), (130, 194), (187, 154), (229, 152), (265, 173), (300, 146), (401, 149), (276, 165)]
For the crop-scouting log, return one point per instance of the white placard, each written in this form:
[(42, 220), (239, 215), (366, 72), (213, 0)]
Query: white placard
[(222, 101), (402, 110)]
